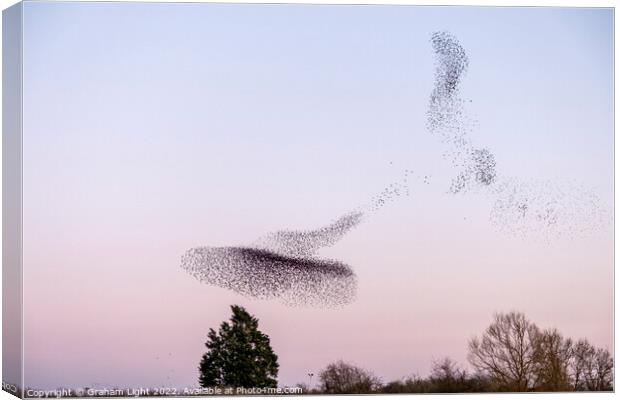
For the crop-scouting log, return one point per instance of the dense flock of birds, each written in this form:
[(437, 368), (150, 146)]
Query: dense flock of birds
[(523, 207), (285, 265), (281, 265)]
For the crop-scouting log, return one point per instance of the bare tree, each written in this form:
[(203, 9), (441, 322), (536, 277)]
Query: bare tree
[(506, 352), (591, 367), (552, 359), (447, 377), (446, 368), (340, 378)]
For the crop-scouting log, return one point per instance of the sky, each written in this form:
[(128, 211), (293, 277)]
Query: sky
[(151, 128)]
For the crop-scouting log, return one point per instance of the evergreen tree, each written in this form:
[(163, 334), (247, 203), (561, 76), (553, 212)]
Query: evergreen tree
[(239, 355)]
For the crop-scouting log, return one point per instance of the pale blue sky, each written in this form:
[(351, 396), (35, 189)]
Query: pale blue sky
[(152, 128)]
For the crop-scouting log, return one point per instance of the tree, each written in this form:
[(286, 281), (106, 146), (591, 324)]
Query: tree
[(447, 377), (341, 378), (413, 384), (516, 356), (591, 368), (552, 359), (239, 355), (506, 352)]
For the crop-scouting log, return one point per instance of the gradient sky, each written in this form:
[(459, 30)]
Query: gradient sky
[(153, 128)]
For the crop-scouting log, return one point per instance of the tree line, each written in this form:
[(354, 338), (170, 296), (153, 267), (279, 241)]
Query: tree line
[(512, 355)]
